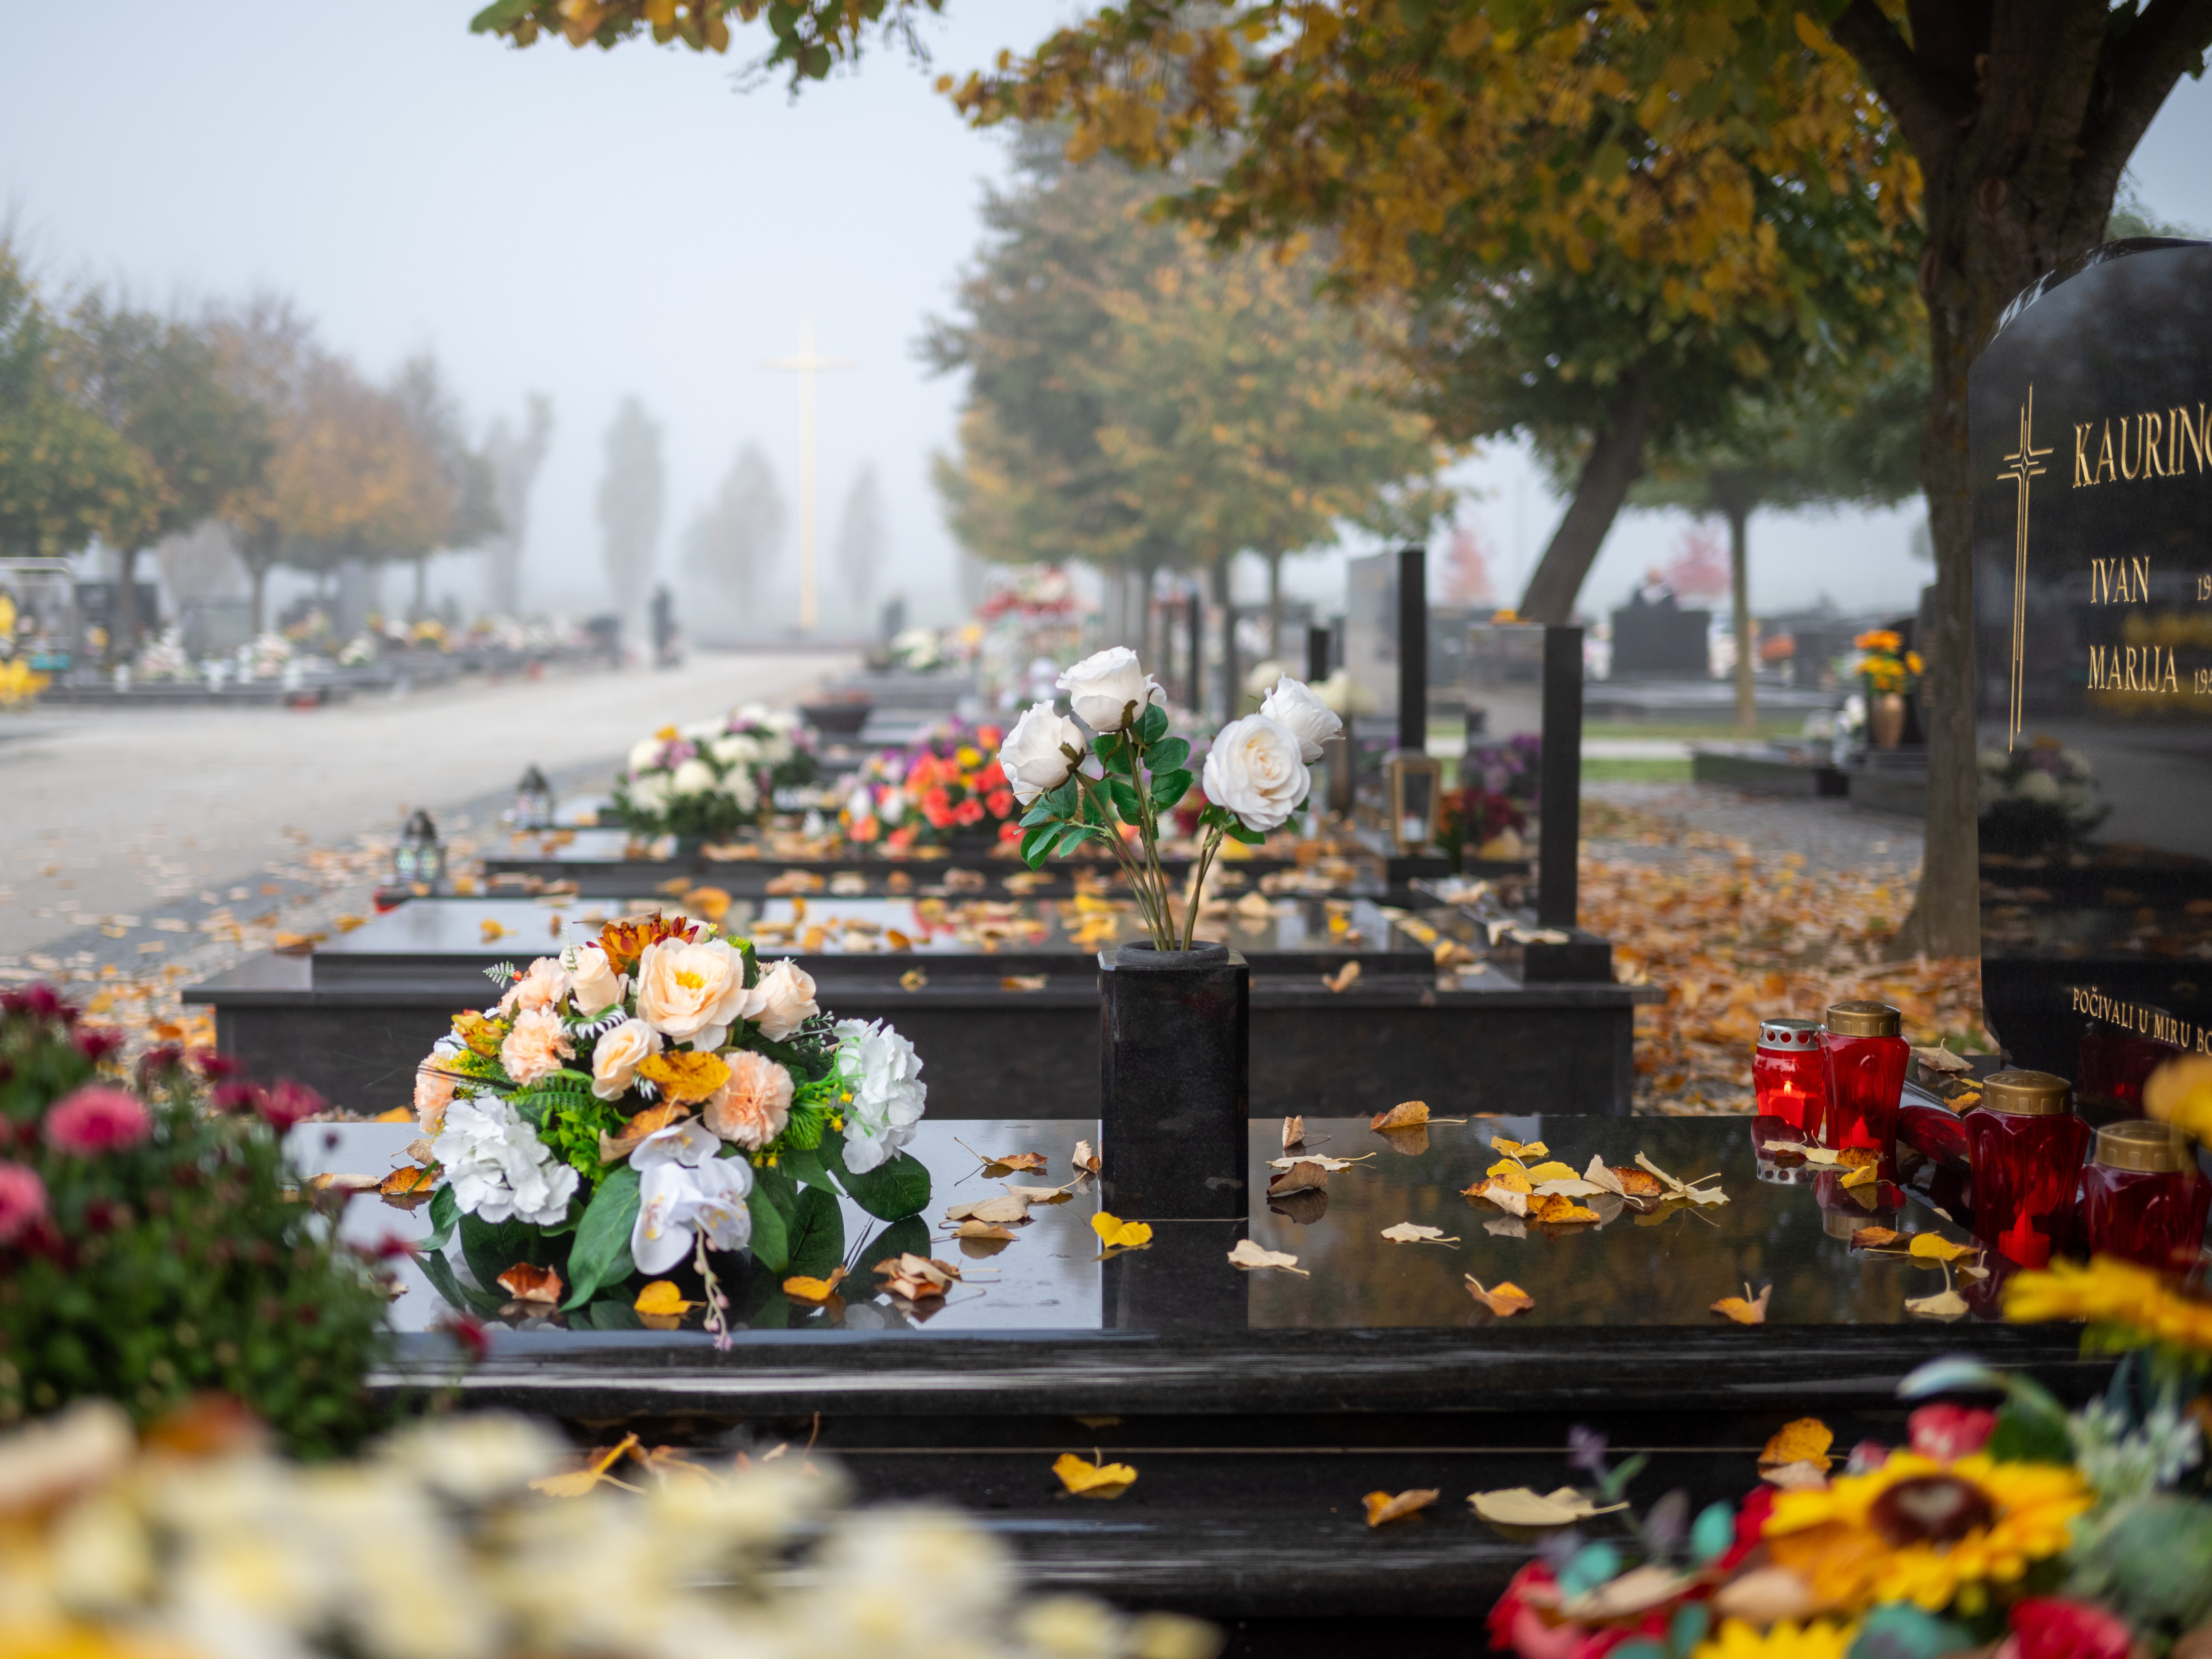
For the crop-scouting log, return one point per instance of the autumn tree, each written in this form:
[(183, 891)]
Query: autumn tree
[(453, 506), (862, 534), (514, 458), (732, 541)]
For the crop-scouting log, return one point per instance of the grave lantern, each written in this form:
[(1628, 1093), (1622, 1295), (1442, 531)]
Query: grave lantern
[(2028, 1144), (419, 861), (1414, 781), (533, 801)]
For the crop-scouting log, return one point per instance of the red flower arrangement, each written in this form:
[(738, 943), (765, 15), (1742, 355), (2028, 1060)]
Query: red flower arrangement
[(948, 783)]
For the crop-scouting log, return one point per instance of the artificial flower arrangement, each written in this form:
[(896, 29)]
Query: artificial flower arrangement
[(1883, 664), (1108, 771), (1489, 810), (2039, 799), (949, 782), (651, 1095), (712, 778)]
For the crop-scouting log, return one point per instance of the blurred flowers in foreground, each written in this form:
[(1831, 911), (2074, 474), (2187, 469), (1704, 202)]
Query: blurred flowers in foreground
[(478, 1537)]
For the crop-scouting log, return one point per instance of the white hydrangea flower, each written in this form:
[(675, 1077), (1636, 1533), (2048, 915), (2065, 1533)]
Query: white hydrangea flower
[(685, 1187), (498, 1166), (884, 1074)]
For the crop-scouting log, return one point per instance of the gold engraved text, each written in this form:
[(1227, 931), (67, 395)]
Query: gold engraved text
[(2119, 582), (2133, 668)]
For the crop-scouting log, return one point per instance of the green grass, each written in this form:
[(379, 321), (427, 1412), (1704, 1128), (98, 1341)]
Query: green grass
[(1689, 732), (1636, 771)]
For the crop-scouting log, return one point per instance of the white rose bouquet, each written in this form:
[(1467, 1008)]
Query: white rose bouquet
[(712, 778), (1113, 764), (646, 1097)]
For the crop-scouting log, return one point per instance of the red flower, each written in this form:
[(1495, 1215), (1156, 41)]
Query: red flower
[(286, 1103), (969, 813), (213, 1066), (1000, 803), (469, 1335), (935, 802), (22, 1200), (97, 1119), (991, 776), (1945, 1432), (235, 1096), (1011, 830), (96, 1046), (2051, 1627)]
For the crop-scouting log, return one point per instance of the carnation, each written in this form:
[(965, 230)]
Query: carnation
[(97, 1119), (534, 1049), (23, 1199), (883, 1073), (500, 1170)]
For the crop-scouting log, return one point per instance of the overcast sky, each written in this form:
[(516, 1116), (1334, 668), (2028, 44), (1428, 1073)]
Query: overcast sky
[(596, 225)]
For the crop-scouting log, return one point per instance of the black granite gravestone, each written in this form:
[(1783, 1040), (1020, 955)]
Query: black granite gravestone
[(2091, 417)]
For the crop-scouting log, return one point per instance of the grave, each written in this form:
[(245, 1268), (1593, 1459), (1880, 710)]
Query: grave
[(2092, 602), (1258, 1409)]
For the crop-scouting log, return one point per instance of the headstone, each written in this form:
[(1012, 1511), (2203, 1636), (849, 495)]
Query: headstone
[(2091, 445), (1370, 634), (1655, 638)]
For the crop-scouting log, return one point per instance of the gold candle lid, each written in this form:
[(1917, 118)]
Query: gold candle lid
[(2140, 1144), (2026, 1093), (1863, 1019)]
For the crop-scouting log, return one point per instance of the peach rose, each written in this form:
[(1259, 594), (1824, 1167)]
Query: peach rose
[(434, 1092), (782, 1002), (541, 988), (754, 1105), (615, 1054), (594, 980), (536, 1047), (690, 993)]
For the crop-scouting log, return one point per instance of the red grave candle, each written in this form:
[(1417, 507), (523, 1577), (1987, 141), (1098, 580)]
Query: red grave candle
[(2143, 1197), (2027, 1145), (1789, 1083), (1866, 1060)]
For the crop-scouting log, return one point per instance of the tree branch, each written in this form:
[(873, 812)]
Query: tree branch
[(2167, 41), (1928, 107)]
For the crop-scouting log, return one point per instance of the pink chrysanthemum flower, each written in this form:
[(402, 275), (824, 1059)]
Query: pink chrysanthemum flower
[(22, 1200), (97, 1119)]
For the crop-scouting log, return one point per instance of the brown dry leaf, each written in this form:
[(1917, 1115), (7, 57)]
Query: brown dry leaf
[(300, 944), (1084, 1158), (1859, 1157), (1381, 1507), (1506, 1300), (653, 1118), (577, 1482), (1029, 1161), (917, 1277), (411, 1181), (1804, 1441), (1696, 1191), (712, 902), (1038, 1195), (1294, 1133), (802, 1288), (344, 1183), (527, 1282), (1321, 1159), (1865, 1176), (1744, 1309), (1523, 1150), (984, 1230), (1085, 1480), (1876, 1238), (1804, 1149), (1406, 1114), (1023, 982), (1933, 1246), (1520, 1506), (1115, 1234), (1411, 1232), (1008, 1208), (912, 980), (1249, 1254), (1557, 1211), (1636, 1183), (1607, 1180), (1342, 979), (1301, 1177)]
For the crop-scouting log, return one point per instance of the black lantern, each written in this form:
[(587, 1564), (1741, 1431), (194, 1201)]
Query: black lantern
[(419, 861), (533, 801)]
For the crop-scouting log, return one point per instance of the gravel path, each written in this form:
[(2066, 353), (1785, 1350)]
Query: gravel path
[(1830, 834)]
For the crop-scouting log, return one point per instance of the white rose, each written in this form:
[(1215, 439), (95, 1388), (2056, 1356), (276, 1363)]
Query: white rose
[(616, 1055), (644, 757), (1101, 688), (1034, 756), (593, 981), (649, 794), (1255, 770), (782, 1002), (883, 1073), (693, 777), (1293, 705), (690, 993)]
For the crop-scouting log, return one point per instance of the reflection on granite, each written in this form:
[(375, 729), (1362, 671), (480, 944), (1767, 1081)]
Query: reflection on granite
[(1657, 1270)]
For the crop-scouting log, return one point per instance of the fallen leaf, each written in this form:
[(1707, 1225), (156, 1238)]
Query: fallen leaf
[(527, 1282), (1381, 1507), (1636, 1183), (1006, 1207), (912, 980), (1550, 1170), (409, 1179), (1084, 1158), (1512, 1175), (1636, 1591), (1520, 1506), (1859, 1157), (575, 1483), (802, 1288), (917, 1277), (1609, 1180), (1765, 1595), (1571, 1187), (1695, 1191), (1805, 1149), (1115, 1234), (1945, 1304), (1085, 1480), (1037, 1194), (662, 1300), (1506, 1300), (345, 1183), (1404, 1115), (1505, 1226), (1023, 982), (1933, 1246), (1806, 1440), (1303, 1176), (1342, 978), (1876, 1238), (1026, 1161), (1294, 1133), (1504, 1197), (1744, 1309), (1865, 1176), (1801, 1476), (1554, 1211), (984, 1230), (1523, 1150), (1249, 1254), (346, 924), (492, 930), (712, 902), (1320, 1159), (1411, 1232)]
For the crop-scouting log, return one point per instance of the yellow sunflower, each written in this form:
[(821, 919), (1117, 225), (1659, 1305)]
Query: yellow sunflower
[(2111, 1291), (1784, 1639), (1919, 1530)]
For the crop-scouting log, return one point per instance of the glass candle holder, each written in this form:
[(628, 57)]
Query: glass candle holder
[(1865, 1058), (2143, 1197), (2027, 1145), (1789, 1083)]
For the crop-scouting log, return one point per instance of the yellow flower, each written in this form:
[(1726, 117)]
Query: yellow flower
[(1785, 1639), (2111, 1291), (1912, 661), (1919, 1530), (2179, 1092)]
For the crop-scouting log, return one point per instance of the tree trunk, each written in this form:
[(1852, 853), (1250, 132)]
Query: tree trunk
[(1232, 692), (1144, 628), (122, 642), (1276, 610), (260, 574), (1615, 461), (1747, 703), (422, 588)]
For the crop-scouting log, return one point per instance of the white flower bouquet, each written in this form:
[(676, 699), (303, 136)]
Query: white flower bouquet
[(1110, 772), (711, 778), (646, 1097)]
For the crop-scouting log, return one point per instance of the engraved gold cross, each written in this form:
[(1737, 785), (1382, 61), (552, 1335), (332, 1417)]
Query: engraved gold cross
[(2021, 466)]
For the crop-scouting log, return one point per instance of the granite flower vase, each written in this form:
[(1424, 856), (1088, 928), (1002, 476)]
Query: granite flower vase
[(1174, 1055)]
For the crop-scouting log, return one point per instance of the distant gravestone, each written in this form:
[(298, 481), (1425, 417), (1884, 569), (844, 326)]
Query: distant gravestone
[(1661, 641), (2091, 443)]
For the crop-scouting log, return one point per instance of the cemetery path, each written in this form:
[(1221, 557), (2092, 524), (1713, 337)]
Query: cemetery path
[(106, 816)]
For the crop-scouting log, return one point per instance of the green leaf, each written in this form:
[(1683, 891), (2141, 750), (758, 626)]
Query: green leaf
[(491, 1249), (1250, 837), (1169, 787), (1074, 835), (1152, 724), (601, 1253), (1124, 801), (774, 1206), (817, 1234), (444, 1215), (500, 15), (806, 1169), (1038, 814), (2031, 1426), (1167, 755), (612, 1313), (447, 1284), (894, 1189)]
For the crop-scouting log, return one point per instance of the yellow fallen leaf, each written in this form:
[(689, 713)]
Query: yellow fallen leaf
[(576, 1482), (1341, 980), (1876, 1238), (1933, 1246), (912, 980), (1023, 982), (1115, 1234), (1744, 1309), (1404, 1115), (1804, 1441), (662, 1300), (491, 928), (1085, 1480), (1381, 1507), (527, 1282), (408, 1178), (1249, 1254), (1508, 1174), (1504, 1301), (1552, 1171), (346, 924), (712, 902), (1523, 1150), (397, 1114), (1865, 1176), (1559, 1211), (1520, 1506), (684, 1075), (802, 1288), (1411, 1232)]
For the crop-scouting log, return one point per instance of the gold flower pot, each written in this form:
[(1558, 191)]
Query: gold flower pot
[(1886, 719)]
